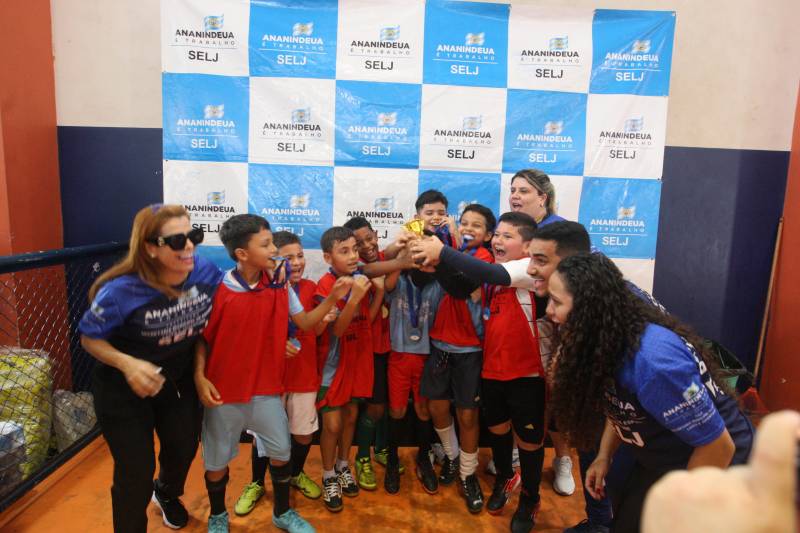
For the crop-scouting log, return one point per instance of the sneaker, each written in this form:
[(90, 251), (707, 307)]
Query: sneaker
[(173, 513), (292, 522), (587, 527), (449, 471), (470, 489), (365, 474), (437, 454), (218, 523), (382, 458), (490, 468), (307, 486), (347, 482), (427, 476), (332, 494), (563, 482), (247, 501), (391, 480), (525, 516), (503, 487)]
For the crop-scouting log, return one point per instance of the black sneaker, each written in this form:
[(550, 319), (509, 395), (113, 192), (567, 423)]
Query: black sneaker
[(449, 471), (173, 513), (332, 494), (347, 482), (470, 489), (503, 487), (391, 480), (427, 475), (587, 527), (525, 516)]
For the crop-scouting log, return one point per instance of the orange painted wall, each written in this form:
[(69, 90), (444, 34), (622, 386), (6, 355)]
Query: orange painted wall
[(780, 378), (30, 195), (31, 198)]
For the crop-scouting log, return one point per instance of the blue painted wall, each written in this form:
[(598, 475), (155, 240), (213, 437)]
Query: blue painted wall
[(719, 215)]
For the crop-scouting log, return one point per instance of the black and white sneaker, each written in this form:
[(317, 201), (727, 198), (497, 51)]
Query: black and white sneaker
[(347, 482), (449, 471), (503, 487), (391, 480), (470, 489), (427, 475), (173, 513), (332, 494)]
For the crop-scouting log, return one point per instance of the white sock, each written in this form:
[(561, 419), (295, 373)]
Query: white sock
[(327, 474), (449, 441), (469, 463), (341, 464)]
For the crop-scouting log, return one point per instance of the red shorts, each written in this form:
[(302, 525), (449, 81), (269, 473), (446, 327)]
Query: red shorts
[(405, 373)]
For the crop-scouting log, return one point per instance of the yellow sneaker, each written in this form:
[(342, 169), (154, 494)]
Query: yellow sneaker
[(306, 485), (382, 458), (365, 475), (247, 501)]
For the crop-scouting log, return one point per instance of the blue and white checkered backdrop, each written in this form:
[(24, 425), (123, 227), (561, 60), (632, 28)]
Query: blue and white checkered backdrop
[(310, 112)]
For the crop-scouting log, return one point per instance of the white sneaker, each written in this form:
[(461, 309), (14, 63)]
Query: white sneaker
[(563, 483), (492, 470), (437, 454)]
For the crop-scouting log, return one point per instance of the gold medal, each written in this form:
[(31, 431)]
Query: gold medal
[(384, 311)]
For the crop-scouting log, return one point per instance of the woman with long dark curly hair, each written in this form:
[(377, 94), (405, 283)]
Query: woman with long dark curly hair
[(639, 378)]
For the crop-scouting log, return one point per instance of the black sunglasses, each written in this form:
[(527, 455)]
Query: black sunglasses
[(178, 241)]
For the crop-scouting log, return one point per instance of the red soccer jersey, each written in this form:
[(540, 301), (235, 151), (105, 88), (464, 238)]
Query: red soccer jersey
[(453, 323), (301, 370), (381, 342), (247, 333), (353, 354), (510, 348)]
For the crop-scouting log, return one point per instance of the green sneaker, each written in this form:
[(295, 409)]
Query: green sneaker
[(247, 501), (382, 458), (365, 475), (306, 485)]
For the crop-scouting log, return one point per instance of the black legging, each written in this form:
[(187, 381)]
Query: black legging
[(127, 423)]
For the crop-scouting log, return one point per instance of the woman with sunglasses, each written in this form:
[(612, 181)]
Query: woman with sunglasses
[(146, 313), (639, 378)]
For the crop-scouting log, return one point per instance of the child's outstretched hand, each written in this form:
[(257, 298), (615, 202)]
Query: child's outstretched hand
[(291, 349), (361, 285), (207, 392), (331, 315), (427, 251), (341, 287)]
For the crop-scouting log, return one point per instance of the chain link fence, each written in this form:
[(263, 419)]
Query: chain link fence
[(46, 409)]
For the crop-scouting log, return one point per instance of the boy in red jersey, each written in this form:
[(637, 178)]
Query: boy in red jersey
[(240, 368), (372, 420), (300, 384), (453, 371), (345, 366)]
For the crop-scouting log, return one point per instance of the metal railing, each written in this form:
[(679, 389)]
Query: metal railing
[(46, 409)]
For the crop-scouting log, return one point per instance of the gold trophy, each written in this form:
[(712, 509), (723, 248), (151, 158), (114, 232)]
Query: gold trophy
[(416, 226)]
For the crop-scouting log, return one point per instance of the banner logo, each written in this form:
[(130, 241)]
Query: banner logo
[(213, 23), (640, 47), (387, 119), (214, 111), (390, 33), (302, 29), (475, 39), (634, 124), (472, 123), (301, 116), (300, 200), (559, 43), (216, 198), (553, 127), (626, 212), (385, 203)]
